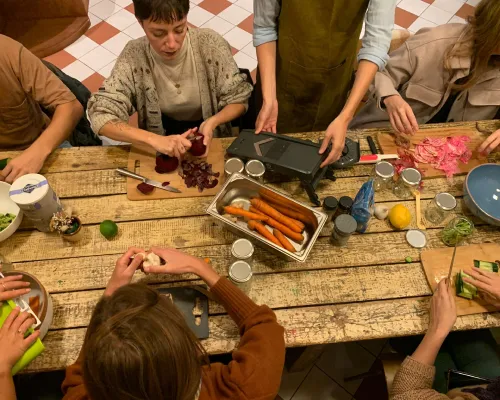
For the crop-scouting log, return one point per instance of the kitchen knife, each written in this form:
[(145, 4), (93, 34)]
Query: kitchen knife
[(452, 262), (375, 158), (127, 173)]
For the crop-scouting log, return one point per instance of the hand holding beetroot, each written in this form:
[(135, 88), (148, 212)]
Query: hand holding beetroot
[(174, 145)]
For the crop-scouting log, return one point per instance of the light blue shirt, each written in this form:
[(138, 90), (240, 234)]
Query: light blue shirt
[(379, 22)]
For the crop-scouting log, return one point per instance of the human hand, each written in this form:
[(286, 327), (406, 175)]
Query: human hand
[(487, 282), (30, 161), (207, 129), (13, 286), (13, 344), (401, 115), (268, 117), (490, 144), (443, 310), (173, 145), (124, 270), (335, 133)]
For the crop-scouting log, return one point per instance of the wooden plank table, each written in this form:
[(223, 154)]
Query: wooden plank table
[(364, 291)]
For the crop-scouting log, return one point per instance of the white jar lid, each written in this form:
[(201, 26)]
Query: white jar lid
[(29, 189)]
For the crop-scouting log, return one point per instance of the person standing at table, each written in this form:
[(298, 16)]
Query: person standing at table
[(306, 53)]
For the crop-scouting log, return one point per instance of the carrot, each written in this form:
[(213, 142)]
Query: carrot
[(283, 240), (273, 213), (295, 215), (296, 222), (297, 237), (257, 226), (256, 210), (244, 213)]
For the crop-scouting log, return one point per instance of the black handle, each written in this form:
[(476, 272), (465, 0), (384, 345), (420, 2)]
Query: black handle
[(371, 143)]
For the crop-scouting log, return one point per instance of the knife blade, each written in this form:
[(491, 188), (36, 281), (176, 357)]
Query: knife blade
[(452, 262), (130, 174)]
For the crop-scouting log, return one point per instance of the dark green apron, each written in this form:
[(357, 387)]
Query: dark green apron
[(317, 43)]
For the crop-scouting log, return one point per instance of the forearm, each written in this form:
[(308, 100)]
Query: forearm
[(206, 272), (364, 77), (123, 132), (428, 349), (62, 124), (228, 114), (266, 56), (7, 389)]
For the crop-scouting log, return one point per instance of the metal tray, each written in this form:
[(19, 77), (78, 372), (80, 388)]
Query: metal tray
[(240, 189)]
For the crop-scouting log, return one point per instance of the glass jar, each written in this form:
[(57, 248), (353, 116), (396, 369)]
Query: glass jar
[(330, 205), (457, 230), (240, 273), (438, 209), (344, 207), (408, 182), (345, 226), (255, 170), (242, 249), (233, 165), (384, 173)]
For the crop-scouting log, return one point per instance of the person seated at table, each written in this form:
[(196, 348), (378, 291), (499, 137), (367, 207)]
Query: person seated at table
[(13, 343), (176, 78), (449, 73), (27, 86), (472, 352), (138, 345)]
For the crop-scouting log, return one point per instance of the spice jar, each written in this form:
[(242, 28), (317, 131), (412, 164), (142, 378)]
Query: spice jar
[(233, 165), (408, 182), (438, 209), (345, 226), (330, 205), (345, 204), (240, 273), (384, 173), (242, 249), (255, 170)]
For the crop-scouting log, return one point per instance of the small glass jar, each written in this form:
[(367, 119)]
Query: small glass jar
[(408, 182), (345, 204), (457, 230), (330, 205), (233, 165), (255, 170), (240, 273), (345, 226), (384, 173), (242, 249), (438, 209)]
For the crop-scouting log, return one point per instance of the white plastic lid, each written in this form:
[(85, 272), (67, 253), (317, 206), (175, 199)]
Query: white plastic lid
[(416, 238), (29, 189)]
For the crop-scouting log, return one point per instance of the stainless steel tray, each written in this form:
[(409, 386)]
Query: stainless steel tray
[(240, 189)]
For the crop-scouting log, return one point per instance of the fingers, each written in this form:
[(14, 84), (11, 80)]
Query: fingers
[(412, 120), (19, 321), (12, 285), (29, 340), (490, 144), (393, 123), (185, 143), (7, 170), (480, 285), (324, 145), (11, 278), (26, 324), (11, 318), (481, 275), (157, 269), (161, 252), (132, 251), (397, 121), (273, 129), (406, 123), (136, 262), (11, 294)]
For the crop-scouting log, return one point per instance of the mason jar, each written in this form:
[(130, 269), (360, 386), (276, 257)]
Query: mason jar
[(439, 208), (408, 183), (384, 173)]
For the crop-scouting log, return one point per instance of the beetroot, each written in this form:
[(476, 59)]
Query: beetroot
[(165, 184), (144, 188), (166, 164), (199, 174), (197, 147)]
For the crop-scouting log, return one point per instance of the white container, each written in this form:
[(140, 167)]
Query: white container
[(34, 196)]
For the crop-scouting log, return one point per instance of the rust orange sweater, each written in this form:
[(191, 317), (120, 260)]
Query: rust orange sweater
[(255, 371)]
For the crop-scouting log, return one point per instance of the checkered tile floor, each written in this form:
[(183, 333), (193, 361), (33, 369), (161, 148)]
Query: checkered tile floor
[(91, 58)]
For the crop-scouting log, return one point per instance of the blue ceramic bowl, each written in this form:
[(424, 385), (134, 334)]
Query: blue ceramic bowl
[(482, 193)]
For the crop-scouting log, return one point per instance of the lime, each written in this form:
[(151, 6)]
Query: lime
[(108, 229)]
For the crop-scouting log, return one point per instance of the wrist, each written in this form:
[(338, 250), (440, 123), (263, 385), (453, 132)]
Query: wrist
[(346, 116), (437, 334), (5, 371)]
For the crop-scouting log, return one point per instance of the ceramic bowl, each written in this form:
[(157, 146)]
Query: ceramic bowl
[(8, 206), (482, 193)]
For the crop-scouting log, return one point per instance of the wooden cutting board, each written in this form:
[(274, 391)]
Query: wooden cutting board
[(143, 162), (388, 145), (437, 264)]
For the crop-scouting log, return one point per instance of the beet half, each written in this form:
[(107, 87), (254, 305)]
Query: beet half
[(166, 164), (197, 147), (144, 188)]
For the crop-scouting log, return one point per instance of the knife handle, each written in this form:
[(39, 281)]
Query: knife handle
[(126, 172), (371, 143)]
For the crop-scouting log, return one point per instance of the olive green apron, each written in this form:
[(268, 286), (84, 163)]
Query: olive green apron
[(317, 43)]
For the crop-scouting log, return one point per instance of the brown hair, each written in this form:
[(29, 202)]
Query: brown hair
[(138, 346), (168, 11), (479, 41)]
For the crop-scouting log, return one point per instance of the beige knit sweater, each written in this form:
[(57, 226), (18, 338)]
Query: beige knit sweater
[(131, 86), (414, 382)]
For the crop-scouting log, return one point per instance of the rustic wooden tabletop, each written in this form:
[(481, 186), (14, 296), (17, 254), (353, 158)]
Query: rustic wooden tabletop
[(364, 291)]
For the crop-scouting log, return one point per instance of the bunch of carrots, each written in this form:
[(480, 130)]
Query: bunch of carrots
[(284, 225)]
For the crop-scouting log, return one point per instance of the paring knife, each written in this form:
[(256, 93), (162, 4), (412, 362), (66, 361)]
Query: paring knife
[(452, 262), (126, 172), (375, 158)]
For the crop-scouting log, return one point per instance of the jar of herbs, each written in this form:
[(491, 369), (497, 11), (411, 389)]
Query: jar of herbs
[(457, 230), (408, 182), (344, 207), (330, 205), (440, 207), (384, 173)]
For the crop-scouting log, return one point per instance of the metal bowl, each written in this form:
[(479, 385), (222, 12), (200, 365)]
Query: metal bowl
[(482, 193), (240, 189)]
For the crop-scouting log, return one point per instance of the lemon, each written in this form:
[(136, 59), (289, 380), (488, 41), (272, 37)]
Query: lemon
[(400, 216), (108, 229)]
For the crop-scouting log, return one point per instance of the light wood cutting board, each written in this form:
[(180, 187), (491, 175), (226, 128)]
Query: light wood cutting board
[(388, 145), (145, 161), (437, 264)]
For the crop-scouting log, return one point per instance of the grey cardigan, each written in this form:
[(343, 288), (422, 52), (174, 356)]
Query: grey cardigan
[(131, 86)]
